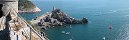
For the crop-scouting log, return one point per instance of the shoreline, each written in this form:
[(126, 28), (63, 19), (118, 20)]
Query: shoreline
[(35, 10)]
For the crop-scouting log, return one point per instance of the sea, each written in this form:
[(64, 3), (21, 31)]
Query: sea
[(101, 15)]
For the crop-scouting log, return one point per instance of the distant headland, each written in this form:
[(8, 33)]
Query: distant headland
[(27, 6)]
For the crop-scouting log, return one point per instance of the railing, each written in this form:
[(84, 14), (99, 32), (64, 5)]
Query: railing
[(30, 27)]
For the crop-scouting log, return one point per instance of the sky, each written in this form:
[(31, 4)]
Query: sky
[(55, 0), (83, 0)]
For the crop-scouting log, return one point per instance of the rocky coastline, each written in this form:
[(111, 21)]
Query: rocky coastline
[(34, 10), (26, 6), (56, 18)]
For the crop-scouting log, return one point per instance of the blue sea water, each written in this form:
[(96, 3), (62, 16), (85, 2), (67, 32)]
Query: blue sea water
[(100, 14)]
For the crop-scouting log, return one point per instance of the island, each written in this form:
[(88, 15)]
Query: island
[(55, 18)]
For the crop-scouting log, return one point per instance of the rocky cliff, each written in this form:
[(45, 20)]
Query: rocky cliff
[(27, 6)]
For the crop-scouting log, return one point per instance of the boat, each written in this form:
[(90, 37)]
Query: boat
[(103, 38), (68, 33), (70, 27), (63, 32), (70, 39)]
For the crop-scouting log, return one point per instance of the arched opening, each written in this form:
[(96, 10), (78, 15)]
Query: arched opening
[(1, 12)]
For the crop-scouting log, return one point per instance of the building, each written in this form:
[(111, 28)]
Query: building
[(13, 27)]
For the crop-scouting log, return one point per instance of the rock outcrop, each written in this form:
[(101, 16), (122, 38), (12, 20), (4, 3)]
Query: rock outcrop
[(56, 18)]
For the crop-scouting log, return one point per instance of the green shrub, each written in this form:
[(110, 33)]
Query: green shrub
[(25, 5)]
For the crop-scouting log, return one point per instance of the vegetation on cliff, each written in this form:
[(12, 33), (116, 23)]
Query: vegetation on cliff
[(25, 5)]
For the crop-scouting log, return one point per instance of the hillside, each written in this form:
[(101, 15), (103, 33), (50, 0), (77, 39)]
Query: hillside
[(27, 6)]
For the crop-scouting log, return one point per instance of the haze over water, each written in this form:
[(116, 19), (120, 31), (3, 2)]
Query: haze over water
[(100, 13)]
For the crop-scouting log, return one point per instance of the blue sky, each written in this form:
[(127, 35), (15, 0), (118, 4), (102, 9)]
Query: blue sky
[(72, 0), (55, 0)]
